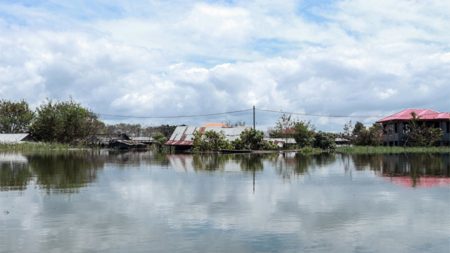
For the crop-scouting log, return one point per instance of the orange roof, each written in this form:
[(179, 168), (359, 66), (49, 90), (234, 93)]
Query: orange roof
[(215, 125)]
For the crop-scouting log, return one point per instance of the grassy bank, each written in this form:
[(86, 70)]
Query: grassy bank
[(380, 150), (38, 146)]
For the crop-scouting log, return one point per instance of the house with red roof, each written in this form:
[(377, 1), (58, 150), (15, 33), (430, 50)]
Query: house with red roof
[(396, 126)]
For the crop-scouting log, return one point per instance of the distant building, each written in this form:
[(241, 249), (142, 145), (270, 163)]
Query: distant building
[(281, 142), (396, 126), (103, 140), (16, 138), (182, 137), (145, 140)]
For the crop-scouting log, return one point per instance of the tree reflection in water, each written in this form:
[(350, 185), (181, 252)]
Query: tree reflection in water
[(15, 173), (297, 164), (66, 171)]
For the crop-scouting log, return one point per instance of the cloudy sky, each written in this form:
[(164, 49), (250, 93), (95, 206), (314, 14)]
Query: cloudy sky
[(167, 58)]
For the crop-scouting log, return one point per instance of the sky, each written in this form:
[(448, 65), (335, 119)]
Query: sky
[(174, 58)]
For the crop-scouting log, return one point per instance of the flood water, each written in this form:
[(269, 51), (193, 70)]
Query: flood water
[(82, 201)]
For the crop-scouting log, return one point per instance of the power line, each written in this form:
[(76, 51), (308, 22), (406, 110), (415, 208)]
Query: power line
[(322, 115), (171, 117), (246, 110)]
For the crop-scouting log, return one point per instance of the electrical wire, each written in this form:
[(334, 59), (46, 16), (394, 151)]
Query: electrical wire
[(322, 115), (246, 110), (172, 117)]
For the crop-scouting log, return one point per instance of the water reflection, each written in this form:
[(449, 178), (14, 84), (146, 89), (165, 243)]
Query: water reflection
[(411, 170), (296, 164), (15, 173)]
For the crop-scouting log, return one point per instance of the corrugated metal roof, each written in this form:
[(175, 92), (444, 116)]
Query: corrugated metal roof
[(280, 141), (183, 135), (421, 113), (12, 138), (142, 138)]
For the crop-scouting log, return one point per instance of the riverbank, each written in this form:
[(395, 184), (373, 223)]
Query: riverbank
[(390, 150), (40, 146)]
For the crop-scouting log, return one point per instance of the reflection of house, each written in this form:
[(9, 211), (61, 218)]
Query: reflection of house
[(182, 137), (396, 126), (16, 138), (417, 170)]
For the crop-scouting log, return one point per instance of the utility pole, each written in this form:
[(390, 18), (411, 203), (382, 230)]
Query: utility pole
[(254, 126)]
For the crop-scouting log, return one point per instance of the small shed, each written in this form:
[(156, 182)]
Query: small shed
[(16, 138)]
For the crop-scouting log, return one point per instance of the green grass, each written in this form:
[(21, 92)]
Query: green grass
[(38, 146), (379, 150)]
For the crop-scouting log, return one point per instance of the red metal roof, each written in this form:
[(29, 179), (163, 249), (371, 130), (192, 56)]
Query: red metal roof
[(423, 114)]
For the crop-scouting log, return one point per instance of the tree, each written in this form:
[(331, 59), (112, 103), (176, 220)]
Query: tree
[(358, 128), (283, 127), (422, 135), (64, 122), (15, 117), (252, 139), (324, 141), (304, 133), (210, 140)]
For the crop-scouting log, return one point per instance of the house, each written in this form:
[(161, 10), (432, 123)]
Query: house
[(16, 138), (280, 142), (103, 140), (182, 137), (126, 144), (397, 125), (145, 140)]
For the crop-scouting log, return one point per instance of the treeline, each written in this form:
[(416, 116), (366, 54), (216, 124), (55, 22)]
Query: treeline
[(66, 122)]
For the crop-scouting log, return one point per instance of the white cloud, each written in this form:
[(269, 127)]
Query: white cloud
[(203, 58)]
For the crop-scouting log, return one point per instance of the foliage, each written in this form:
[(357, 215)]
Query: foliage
[(159, 140), (252, 138), (283, 127), (235, 124), (64, 122), (372, 137), (422, 135), (268, 145), (324, 141), (237, 144), (210, 140), (358, 128), (137, 130), (304, 133), (387, 149), (15, 117)]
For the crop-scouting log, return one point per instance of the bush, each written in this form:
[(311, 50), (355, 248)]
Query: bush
[(210, 140), (324, 141), (252, 139)]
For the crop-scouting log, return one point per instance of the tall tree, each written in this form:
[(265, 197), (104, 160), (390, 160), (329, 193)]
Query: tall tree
[(64, 122), (15, 117)]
